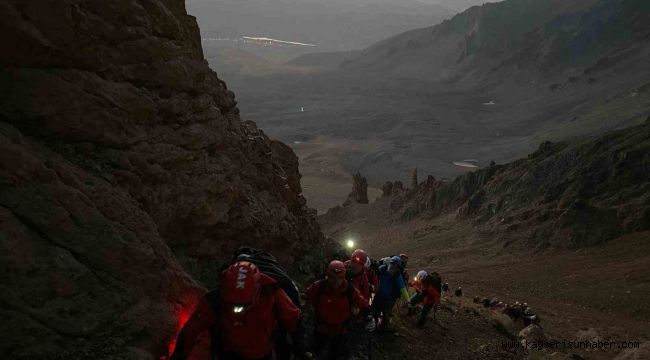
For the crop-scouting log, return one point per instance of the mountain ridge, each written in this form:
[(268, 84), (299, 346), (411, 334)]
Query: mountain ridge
[(484, 38)]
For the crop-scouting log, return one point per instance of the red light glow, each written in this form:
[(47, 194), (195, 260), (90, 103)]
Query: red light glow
[(183, 315)]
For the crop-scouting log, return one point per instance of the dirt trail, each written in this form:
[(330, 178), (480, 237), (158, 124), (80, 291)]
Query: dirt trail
[(458, 332)]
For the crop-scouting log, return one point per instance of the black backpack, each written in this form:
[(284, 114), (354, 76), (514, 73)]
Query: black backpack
[(434, 280), (268, 265)]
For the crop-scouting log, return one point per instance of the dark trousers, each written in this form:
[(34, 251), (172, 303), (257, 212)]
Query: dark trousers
[(339, 346), (282, 347), (416, 299), (423, 315), (384, 308)]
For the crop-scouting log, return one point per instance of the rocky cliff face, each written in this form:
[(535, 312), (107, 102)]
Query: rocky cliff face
[(124, 168)]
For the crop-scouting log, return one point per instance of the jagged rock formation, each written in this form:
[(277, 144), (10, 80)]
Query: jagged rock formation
[(124, 167), (414, 178), (387, 189), (430, 180), (564, 194), (359, 192), (420, 199), (398, 188)]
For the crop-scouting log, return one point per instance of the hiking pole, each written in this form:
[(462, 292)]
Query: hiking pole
[(369, 337), (435, 310)]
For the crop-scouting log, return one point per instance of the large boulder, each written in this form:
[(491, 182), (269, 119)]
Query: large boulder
[(126, 176), (532, 334)]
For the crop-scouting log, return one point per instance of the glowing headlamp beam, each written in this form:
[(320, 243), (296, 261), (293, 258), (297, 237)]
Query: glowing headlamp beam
[(350, 243)]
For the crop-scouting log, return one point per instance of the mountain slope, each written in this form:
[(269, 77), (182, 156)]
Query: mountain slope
[(124, 169), (537, 37), (565, 230), (566, 194)]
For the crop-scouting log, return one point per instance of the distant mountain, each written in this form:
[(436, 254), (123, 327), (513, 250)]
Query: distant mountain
[(489, 84), (332, 25), (530, 37)]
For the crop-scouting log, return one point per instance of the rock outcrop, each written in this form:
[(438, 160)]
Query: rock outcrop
[(359, 193), (398, 188), (414, 178), (387, 189), (125, 173)]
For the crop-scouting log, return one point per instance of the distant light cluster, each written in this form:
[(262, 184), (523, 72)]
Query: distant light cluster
[(260, 40)]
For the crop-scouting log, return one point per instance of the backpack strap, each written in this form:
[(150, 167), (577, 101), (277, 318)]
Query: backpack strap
[(349, 294), (319, 294)]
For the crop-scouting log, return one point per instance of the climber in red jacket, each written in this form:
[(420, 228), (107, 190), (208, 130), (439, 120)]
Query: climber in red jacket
[(428, 295), (335, 300), (357, 274), (242, 317)]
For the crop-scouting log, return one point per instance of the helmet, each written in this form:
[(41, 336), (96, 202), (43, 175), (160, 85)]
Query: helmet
[(396, 260), (403, 256), (421, 275), (359, 256), (336, 269), (241, 284)]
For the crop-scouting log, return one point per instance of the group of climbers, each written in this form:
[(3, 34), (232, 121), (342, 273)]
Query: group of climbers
[(518, 312), (256, 314)]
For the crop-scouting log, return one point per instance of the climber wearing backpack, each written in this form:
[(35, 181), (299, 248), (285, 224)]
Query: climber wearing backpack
[(356, 273), (241, 317), (391, 287), (268, 265), (334, 300), (416, 284), (429, 296)]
